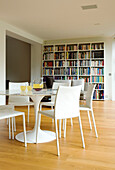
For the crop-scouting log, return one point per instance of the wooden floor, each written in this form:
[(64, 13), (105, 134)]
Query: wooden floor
[(98, 154)]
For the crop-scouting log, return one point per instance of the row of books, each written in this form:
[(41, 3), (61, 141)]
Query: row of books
[(60, 48), (60, 63), (48, 56), (97, 63), (60, 78), (98, 95), (72, 63), (48, 71), (84, 63), (48, 64), (48, 48), (84, 55), (72, 78), (99, 86), (86, 79), (84, 46), (59, 56), (97, 46), (72, 71), (71, 55), (97, 71), (84, 71), (97, 79), (97, 54), (72, 47), (59, 71)]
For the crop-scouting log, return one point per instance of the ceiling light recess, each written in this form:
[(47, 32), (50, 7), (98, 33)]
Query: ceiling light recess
[(89, 7)]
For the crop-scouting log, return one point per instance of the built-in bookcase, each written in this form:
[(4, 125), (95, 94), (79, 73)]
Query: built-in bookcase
[(76, 61)]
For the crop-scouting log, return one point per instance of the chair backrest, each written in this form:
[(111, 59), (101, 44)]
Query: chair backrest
[(86, 85), (64, 81), (67, 102), (56, 86), (49, 82), (16, 86), (89, 95), (78, 82)]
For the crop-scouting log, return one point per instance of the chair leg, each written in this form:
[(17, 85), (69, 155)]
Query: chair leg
[(12, 128), (52, 109), (58, 152), (59, 128), (40, 107), (81, 132), (28, 112), (89, 120), (24, 127), (94, 123), (64, 128), (14, 124), (7, 121), (63, 124), (38, 126), (71, 122), (9, 129)]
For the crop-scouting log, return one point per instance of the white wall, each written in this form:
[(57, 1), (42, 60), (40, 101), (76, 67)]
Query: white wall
[(19, 34), (113, 70), (2, 62), (108, 58)]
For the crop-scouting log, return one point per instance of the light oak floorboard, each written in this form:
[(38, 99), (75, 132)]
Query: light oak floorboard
[(99, 153)]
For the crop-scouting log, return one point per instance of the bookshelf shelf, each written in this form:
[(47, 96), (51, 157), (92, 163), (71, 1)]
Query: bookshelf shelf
[(83, 66), (97, 82), (48, 60), (69, 51), (75, 61), (85, 75), (99, 89), (97, 58), (48, 51), (98, 66), (60, 59), (84, 59)]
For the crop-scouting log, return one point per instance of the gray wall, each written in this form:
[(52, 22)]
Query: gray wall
[(36, 61), (18, 60)]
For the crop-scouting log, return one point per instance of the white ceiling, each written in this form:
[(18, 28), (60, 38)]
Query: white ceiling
[(60, 19)]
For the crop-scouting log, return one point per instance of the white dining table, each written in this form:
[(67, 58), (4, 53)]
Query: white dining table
[(36, 96)]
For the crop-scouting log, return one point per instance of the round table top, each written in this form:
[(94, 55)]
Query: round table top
[(46, 92)]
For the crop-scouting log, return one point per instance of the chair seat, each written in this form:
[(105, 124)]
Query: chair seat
[(9, 113), (48, 113), (21, 103), (47, 104), (83, 107)]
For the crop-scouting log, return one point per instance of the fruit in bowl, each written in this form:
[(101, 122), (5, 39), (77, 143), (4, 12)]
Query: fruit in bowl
[(23, 88), (29, 88), (37, 87)]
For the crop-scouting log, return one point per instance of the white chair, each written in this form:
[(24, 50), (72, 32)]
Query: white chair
[(64, 81), (66, 106), (7, 112), (88, 106), (19, 100), (77, 83), (55, 86), (52, 103)]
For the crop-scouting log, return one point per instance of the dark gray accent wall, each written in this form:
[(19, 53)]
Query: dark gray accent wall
[(18, 60)]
